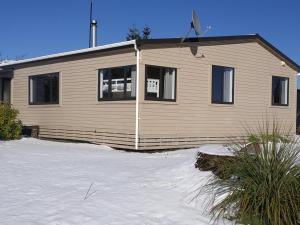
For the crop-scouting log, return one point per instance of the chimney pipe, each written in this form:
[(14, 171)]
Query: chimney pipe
[(94, 33)]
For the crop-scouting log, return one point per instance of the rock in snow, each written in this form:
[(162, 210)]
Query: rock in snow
[(54, 183)]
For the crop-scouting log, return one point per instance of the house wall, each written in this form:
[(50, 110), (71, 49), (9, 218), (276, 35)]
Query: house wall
[(193, 120), (190, 121), (79, 115)]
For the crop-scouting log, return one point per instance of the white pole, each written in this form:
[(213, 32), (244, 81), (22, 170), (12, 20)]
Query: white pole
[(94, 33), (137, 96)]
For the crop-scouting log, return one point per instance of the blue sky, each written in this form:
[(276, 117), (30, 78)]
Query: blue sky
[(38, 27)]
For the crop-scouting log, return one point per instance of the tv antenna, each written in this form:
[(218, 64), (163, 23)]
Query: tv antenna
[(196, 26), (90, 24)]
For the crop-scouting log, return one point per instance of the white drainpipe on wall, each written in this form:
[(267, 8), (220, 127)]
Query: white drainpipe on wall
[(137, 96)]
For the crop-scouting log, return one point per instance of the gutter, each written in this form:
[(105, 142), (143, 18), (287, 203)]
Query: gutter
[(70, 53), (137, 95)]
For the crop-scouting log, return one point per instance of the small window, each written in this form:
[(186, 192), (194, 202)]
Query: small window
[(222, 85), (280, 90), (44, 89), (5, 84), (160, 83), (117, 83)]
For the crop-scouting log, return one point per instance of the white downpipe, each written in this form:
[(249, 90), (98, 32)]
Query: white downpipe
[(137, 96)]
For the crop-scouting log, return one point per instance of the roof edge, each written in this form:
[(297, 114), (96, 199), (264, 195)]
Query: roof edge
[(69, 53), (278, 53), (196, 39), (254, 37)]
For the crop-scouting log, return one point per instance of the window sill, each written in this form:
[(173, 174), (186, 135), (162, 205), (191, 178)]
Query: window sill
[(280, 106), (159, 102), (116, 100), (222, 104), (44, 105), (105, 102)]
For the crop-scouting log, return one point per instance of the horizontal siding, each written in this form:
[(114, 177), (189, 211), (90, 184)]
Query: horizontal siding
[(189, 122), (193, 119), (79, 116)]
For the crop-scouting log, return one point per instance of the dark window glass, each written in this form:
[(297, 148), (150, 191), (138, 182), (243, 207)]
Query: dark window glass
[(44, 89), (222, 84), (217, 84), (160, 83), (280, 87), (117, 83), (5, 84)]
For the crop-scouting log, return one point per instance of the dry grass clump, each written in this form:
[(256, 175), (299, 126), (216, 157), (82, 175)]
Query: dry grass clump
[(264, 185)]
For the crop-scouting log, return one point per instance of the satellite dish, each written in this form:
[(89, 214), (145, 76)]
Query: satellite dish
[(196, 26), (196, 23)]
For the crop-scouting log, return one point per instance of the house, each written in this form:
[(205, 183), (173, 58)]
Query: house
[(154, 94)]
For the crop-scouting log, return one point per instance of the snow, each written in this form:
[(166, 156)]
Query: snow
[(214, 150), (44, 182)]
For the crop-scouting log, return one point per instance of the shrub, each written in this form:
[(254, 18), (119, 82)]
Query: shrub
[(10, 126), (264, 188)]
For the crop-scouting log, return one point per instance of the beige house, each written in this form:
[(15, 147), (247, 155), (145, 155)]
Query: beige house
[(154, 94)]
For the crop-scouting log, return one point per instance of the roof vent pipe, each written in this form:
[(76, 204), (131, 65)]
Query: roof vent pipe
[(93, 42)]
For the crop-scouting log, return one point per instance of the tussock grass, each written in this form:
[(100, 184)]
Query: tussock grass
[(264, 186)]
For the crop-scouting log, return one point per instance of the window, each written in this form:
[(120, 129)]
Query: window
[(117, 83), (280, 90), (222, 85), (160, 83), (44, 89), (5, 89)]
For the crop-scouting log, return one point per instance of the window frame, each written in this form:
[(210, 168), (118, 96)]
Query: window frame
[(109, 84), (288, 91), (160, 89), (44, 75), (233, 86)]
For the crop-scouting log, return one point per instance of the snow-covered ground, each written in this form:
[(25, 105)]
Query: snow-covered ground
[(47, 183)]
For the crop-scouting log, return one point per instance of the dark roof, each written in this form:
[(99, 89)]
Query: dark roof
[(232, 39), (212, 40)]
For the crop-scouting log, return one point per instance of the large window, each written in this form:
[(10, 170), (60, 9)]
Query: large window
[(44, 89), (160, 83), (117, 83), (280, 90), (222, 85)]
